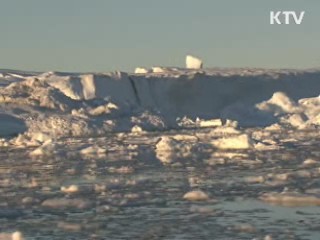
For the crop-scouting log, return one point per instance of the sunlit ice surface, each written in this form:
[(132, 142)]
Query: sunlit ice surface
[(176, 154)]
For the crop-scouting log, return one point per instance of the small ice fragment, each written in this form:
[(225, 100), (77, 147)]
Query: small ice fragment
[(237, 142), (65, 203), (47, 148), (209, 123), (11, 236), (158, 70), (70, 227), (70, 189), (136, 129), (291, 199), (92, 150), (309, 162), (196, 196), (140, 70)]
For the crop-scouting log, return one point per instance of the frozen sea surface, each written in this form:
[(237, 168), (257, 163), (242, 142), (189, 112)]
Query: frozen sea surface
[(127, 193)]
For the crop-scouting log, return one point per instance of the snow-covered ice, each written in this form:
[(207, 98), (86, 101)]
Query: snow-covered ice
[(75, 104), (85, 154)]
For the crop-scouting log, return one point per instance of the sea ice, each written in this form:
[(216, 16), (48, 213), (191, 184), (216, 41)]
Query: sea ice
[(193, 62), (51, 105), (291, 199), (235, 142), (65, 203), (196, 196)]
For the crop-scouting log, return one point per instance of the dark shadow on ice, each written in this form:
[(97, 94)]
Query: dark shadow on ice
[(11, 126), (228, 97)]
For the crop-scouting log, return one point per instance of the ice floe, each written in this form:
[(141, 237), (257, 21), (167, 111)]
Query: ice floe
[(236, 142), (196, 196), (11, 236), (291, 199), (65, 203)]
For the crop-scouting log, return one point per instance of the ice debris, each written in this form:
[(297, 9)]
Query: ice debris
[(196, 196)]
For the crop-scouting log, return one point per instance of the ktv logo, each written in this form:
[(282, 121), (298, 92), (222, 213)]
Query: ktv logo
[(286, 17)]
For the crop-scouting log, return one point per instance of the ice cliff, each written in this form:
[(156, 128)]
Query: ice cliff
[(77, 104)]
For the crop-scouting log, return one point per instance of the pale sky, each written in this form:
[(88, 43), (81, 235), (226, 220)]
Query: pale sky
[(107, 35)]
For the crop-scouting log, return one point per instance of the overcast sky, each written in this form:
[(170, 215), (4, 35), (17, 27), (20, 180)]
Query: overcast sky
[(106, 35)]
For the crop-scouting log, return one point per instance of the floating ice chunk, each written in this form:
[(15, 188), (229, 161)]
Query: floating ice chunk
[(20, 140), (70, 189), (224, 131), (237, 142), (93, 150), (255, 179), (185, 137), (158, 70), (69, 227), (121, 170), (247, 228), (303, 174), (98, 111), (65, 203), (193, 62), (17, 236), (137, 130), (169, 149), (4, 142), (296, 120), (186, 122), (209, 123), (29, 201), (264, 147), (268, 237), (281, 176), (274, 127), (41, 137), (103, 109), (215, 161), (280, 103), (202, 209), (196, 196), (47, 148), (11, 236), (233, 155), (141, 70), (164, 149), (291, 199), (310, 162)]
